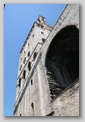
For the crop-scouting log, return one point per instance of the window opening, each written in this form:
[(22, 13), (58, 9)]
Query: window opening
[(43, 40), (62, 60), (24, 74), (34, 56), (19, 82), (32, 105), (42, 32), (29, 53), (31, 82), (24, 60), (20, 115), (29, 66), (33, 35)]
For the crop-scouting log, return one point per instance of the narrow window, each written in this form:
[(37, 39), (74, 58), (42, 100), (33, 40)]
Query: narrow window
[(19, 82), (29, 66), (20, 115), (33, 35), (29, 53), (42, 32), (31, 82), (32, 105), (34, 56), (24, 60), (24, 74), (43, 40)]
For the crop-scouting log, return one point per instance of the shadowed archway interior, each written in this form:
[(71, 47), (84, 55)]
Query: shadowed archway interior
[(62, 60)]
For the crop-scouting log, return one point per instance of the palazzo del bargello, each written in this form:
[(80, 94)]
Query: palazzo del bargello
[(48, 73)]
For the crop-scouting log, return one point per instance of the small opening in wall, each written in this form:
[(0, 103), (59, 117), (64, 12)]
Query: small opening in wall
[(24, 60), (43, 40), (31, 82), (29, 53), (34, 56), (42, 32), (29, 65), (50, 114), (39, 25), (24, 74), (19, 82), (33, 35), (32, 105), (20, 115)]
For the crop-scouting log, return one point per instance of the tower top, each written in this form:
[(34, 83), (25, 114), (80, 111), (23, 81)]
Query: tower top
[(40, 19), (40, 22)]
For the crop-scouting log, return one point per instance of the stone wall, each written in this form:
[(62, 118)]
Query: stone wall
[(67, 104)]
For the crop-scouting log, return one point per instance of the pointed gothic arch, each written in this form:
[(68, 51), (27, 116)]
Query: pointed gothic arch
[(62, 60)]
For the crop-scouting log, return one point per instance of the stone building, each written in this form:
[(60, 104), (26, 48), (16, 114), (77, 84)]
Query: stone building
[(48, 73)]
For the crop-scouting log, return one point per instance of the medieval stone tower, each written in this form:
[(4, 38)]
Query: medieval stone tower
[(48, 73)]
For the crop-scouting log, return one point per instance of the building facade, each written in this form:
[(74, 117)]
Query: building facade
[(48, 73)]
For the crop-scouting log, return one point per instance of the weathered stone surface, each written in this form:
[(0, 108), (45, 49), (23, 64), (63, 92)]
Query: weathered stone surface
[(37, 91)]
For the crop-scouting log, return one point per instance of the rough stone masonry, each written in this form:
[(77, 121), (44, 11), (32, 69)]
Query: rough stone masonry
[(48, 73)]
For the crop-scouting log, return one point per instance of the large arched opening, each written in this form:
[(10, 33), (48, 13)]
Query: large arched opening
[(62, 60)]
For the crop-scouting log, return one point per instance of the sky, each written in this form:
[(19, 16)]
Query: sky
[(18, 20)]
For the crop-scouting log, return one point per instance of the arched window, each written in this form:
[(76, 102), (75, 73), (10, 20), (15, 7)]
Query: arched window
[(62, 60)]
